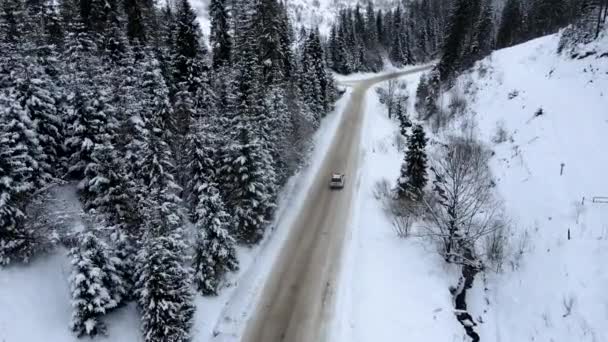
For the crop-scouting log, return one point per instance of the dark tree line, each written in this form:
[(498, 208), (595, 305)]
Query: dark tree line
[(125, 100), (361, 38)]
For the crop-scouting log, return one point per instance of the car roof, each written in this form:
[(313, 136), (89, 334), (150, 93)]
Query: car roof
[(336, 175)]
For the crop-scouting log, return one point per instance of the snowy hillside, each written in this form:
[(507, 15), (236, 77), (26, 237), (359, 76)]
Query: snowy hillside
[(549, 168)]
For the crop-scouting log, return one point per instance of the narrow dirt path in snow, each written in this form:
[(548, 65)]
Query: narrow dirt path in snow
[(298, 297)]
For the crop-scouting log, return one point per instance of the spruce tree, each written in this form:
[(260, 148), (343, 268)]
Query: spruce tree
[(163, 290), (511, 25), (413, 177), (161, 201), (483, 38), (37, 96), (18, 165), (214, 253), (94, 124), (459, 33), (95, 284), (220, 40), (401, 114)]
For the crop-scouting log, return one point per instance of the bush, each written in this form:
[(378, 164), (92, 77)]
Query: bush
[(458, 103), (496, 245), (500, 134), (382, 190), (402, 225)]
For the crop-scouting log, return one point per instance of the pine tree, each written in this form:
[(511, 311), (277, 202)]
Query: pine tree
[(189, 73), (21, 137), (249, 170), (220, 40), (136, 27), (458, 36), (511, 25), (18, 165), (187, 65), (160, 204), (36, 96), (214, 253), (546, 16), (163, 290), (483, 39), (316, 84), (397, 52), (371, 33), (401, 114), (413, 177), (281, 128), (273, 43), (95, 284), (94, 125)]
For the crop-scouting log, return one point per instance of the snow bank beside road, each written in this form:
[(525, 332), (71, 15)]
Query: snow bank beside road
[(390, 289)]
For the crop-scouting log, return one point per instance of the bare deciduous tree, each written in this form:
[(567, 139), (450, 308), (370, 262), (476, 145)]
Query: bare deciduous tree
[(462, 208)]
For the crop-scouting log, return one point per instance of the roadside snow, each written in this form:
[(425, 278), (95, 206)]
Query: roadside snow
[(557, 292), (391, 289)]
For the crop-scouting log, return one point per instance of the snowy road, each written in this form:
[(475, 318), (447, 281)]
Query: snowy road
[(297, 298)]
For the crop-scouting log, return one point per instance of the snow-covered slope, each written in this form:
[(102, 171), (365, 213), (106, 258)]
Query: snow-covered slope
[(555, 113)]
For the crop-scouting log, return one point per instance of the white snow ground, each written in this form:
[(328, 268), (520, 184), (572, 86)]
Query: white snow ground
[(530, 302)]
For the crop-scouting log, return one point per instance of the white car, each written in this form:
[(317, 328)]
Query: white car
[(337, 181)]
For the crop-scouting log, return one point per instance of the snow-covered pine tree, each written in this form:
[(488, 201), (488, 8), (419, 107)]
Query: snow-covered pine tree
[(511, 27), (163, 289), (273, 52), (187, 58), (413, 176), (37, 94), (20, 174), (94, 125), (248, 178), (370, 28), (249, 170), (95, 285), (107, 190), (484, 34), (455, 55), (160, 203), (281, 131), (220, 40), (203, 154), (90, 298), (317, 85), (214, 252), (401, 113)]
